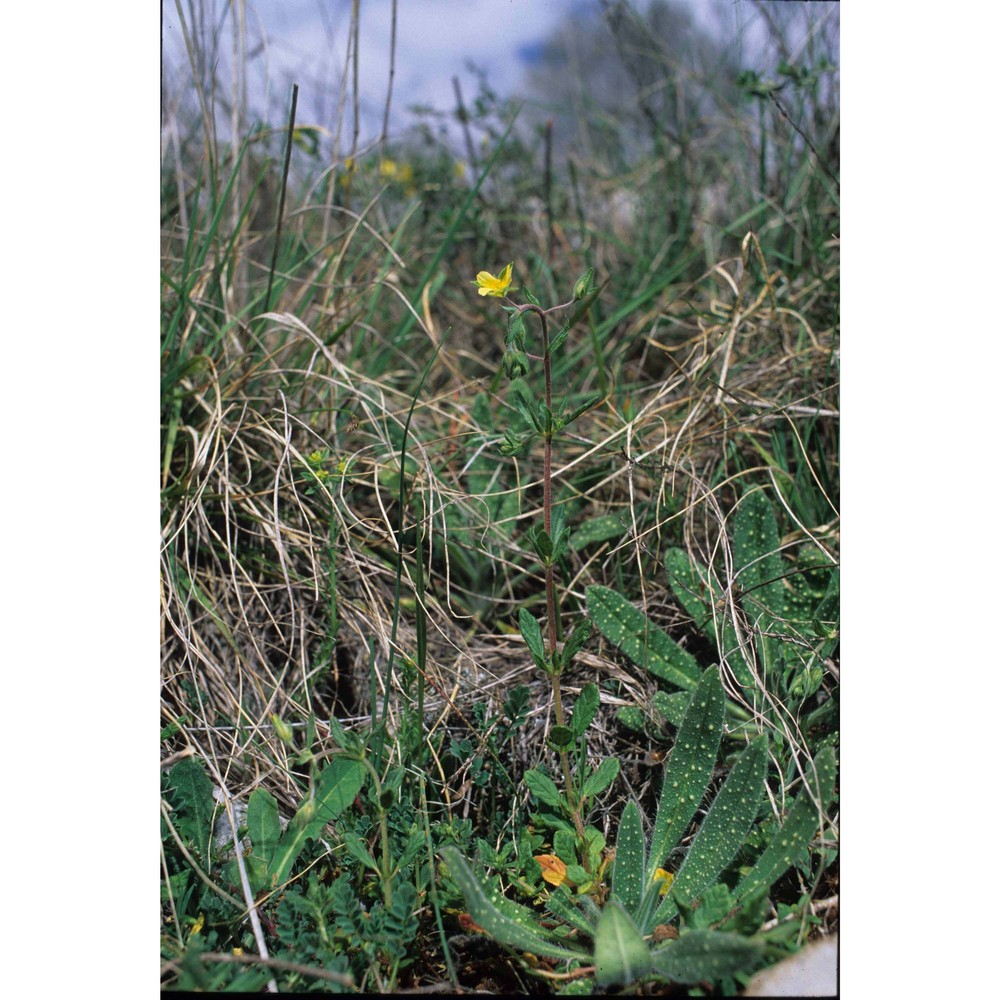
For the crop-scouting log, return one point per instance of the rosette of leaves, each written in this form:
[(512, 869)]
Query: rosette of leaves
[(652, 923), (788, 611)]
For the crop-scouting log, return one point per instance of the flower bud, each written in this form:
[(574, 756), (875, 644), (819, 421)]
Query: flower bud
[(582, 288), (282, 729), (515, 364)]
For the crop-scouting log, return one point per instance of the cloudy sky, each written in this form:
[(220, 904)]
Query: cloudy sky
[(306, 41)]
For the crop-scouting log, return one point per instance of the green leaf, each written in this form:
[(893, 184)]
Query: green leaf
[(338, 785), (529, 296), (543, 788), (532, 633), (564, 845), (601, 778), (714, 905), (515, 332), (724, 829), (590, 401), (800, 824), (689, 769), (705, 955), (194, 802), (620, 954), (644, 643), (671, 707), (561, 737), (585, 709), (757, 554), (515, 928), (696, 588), (631, 718), (263, 825), (525, 405), (630, 859), (541, 542), (560, 906), (340, 735), (596, 529), (357, 848)]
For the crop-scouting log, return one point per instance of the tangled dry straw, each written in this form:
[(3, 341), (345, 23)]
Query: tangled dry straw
[(253, 542)]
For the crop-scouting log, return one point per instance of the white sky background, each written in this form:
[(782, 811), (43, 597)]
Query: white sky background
[(307, 43)]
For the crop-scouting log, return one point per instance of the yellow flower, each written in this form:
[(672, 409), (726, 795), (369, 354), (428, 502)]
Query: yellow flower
[(553, 869), (387, 168), (490, 285), (665, 877)]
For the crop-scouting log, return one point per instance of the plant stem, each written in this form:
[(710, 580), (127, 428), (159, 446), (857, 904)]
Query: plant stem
[(550, 583)]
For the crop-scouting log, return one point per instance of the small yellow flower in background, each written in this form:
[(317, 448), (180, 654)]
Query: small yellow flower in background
[(666, 878), (198, 924), (237, 951), (490, 285), (459, 170), (387, 169)]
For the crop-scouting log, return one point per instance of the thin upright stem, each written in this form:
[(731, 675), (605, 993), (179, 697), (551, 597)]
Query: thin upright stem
[(550, 583)]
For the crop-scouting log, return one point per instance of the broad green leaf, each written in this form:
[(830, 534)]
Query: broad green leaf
[(532, 633), (705, 955), (263, 824), (585, 709), (194, 802), (560, 905), (543, 788), (337, 787), (757, 553), (631, 718), (521, 931), (561, 737), (689, 769), (630, 859), (723, 830), (620, 954), (671, 706), (596, 529), (800, 824), (357, 848), (644, 643), (600, 779)]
